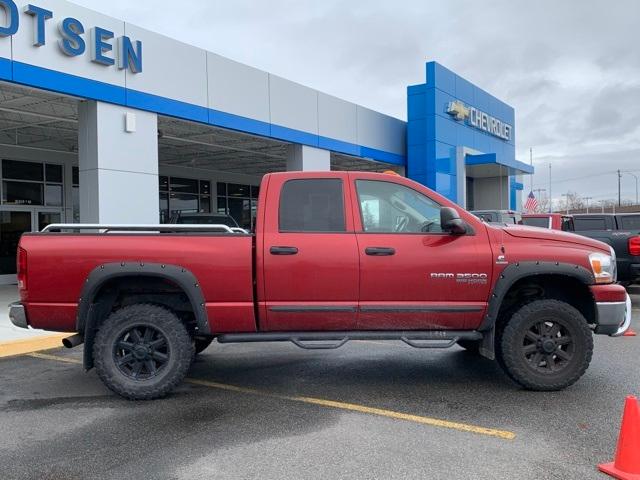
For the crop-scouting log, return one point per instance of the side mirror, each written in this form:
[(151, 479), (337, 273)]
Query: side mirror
[(451, 222)]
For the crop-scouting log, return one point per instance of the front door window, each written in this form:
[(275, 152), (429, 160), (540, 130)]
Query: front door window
[(392, 208)]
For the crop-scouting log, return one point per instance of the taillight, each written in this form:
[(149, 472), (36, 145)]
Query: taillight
[(22, 268), (634, 246)]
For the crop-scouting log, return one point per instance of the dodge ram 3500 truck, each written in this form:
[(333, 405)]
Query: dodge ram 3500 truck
[(336, 256)]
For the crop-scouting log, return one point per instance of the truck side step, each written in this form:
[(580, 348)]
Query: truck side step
[(333, 340)]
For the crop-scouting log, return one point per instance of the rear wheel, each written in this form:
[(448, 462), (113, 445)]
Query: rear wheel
[(142, 351), (545, 345)]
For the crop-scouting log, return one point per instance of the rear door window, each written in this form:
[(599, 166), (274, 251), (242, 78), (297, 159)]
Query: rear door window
[(312, 205), (586, 224)]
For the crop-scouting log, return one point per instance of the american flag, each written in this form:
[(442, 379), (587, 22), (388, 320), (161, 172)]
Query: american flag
[(531, 205)]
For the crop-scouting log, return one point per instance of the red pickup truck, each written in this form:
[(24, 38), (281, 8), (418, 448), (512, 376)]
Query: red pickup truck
[(336, 256)]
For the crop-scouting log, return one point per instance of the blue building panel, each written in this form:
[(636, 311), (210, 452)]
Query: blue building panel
[(441, 77), (417, 106), (448, 112), (465, 91)]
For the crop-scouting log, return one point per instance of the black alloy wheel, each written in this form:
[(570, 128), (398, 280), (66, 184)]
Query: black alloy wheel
[(548, 346), (141, 352)]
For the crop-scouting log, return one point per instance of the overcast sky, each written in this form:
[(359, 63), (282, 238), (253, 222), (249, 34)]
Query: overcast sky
[(571, 69)]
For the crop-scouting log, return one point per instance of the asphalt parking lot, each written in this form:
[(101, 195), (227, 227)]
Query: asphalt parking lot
[(368, 410)]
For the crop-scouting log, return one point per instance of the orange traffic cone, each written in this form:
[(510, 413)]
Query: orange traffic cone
[(626, 465), (629, 333)]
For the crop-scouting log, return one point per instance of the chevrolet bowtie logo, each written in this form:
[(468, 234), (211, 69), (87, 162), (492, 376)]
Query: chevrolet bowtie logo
[(458, 110)]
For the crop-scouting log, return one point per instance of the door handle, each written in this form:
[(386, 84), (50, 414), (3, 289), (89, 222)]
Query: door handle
[(283, 250), (380, 251)]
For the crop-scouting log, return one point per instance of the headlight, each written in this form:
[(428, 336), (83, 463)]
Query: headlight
[(603, 267)]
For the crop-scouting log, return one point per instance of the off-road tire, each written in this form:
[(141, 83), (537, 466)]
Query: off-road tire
[(471, 346), (201, 344), (553, 361), (178, 351)]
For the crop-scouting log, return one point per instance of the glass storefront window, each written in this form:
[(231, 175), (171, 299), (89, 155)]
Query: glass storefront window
[(183, 185), (22, 193), (183, 195), (53, 173), (238, 201), (205, 204), (183, 203), (222, 205), (164, 208), (76, 204), (235, 190), (30, 183), (53, 195), (15, 170)]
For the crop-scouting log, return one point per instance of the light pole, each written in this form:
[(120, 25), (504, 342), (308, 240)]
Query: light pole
[(587, 199), (619, 189), (550, 196)]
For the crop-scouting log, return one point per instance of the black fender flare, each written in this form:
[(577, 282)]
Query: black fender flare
[(89, 312), (508, 277)]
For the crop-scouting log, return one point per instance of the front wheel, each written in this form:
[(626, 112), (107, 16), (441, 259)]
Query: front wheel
[(546, 345), (142, 351)]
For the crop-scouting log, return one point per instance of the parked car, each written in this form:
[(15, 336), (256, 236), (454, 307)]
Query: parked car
[(499, 216), (336, 256), (206, 219), (552, 221), (622, 232)]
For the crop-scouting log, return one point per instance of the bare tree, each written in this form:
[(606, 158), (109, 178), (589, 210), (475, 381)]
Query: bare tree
[(573, 201)]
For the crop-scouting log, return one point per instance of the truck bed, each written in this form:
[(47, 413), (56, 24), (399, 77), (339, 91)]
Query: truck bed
[(59, 263)]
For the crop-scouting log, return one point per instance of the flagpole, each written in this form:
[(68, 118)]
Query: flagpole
[(531, 162)]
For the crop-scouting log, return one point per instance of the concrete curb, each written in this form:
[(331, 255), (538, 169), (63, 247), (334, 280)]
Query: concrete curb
[(29, 345)]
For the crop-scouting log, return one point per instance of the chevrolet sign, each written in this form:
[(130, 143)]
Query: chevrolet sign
[(480, 120)]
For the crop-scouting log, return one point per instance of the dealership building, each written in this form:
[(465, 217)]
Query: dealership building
[(102, 121)]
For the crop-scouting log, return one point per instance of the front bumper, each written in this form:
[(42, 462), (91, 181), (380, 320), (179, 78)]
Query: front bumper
[(614, 318), (18, 315)]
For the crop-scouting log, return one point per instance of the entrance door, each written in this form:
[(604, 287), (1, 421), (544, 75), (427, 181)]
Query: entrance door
[(13, 223)]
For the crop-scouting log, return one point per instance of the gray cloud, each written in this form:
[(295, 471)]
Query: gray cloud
[(570, 69)]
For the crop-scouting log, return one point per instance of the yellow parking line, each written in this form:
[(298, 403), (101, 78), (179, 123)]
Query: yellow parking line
[(434, 422), (32, 344), (57, 358)]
